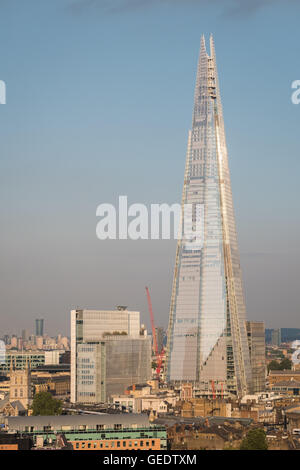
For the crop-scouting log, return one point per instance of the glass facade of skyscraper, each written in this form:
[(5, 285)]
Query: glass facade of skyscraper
[(39, 327), (207, 339)]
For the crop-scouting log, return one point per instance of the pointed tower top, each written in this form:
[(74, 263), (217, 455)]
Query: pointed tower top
[(212, 46)]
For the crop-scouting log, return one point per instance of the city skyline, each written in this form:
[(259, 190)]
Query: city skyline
[(82, 103)]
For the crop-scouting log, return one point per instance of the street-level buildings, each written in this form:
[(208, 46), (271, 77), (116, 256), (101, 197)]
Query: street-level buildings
[(257, 350), (92, 432)]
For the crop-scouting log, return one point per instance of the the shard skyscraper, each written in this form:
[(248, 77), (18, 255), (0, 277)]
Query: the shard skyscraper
[(207, 338)]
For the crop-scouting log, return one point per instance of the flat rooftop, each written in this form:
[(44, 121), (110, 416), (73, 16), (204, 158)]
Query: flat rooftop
[(132, 420)]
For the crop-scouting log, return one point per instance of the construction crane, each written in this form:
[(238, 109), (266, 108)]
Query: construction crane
[(213, 389), (155, 345)]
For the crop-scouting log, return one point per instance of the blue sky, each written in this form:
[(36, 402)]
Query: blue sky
[(99, 103)]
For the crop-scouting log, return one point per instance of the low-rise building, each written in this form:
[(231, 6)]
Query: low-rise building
[(276, 376), (292, 416), (287, 387), (92, 432), (196, 407)]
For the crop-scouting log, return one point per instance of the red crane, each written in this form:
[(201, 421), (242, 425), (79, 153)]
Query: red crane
[(155, 345), (213, 389)]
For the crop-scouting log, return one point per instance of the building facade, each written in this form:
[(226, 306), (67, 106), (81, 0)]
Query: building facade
[(92, 432), (108, 353), (20, 386), (39, 327), (207, 338), (257, 349), (276, 337)]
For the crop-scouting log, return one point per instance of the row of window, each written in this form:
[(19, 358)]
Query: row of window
[(114, 444)]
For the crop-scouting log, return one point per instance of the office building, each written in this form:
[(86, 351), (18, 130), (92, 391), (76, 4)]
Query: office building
[(207, 338), (276, 337), (25, 335), (39, 327), (257, 349), (160, 334), (109, 352), (20, 385), (92, 432)]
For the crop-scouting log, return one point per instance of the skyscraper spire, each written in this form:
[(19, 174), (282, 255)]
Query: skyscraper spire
[(207, 339)]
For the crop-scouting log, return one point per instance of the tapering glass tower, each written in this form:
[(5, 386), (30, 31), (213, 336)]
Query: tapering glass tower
[(207, 339)]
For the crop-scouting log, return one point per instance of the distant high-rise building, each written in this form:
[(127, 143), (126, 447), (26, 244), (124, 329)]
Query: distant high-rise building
[(14, 341), (25, 335), (257, 349), (276, 337), (207, 338), (39, 327), (109, 352), (6, 339)]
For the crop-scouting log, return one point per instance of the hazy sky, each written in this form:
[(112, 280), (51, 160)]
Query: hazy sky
[(99, 103)]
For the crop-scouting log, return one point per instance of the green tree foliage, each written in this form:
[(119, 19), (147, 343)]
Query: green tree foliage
[(45, 405), (286, 364), (255, 440), (283, 365)]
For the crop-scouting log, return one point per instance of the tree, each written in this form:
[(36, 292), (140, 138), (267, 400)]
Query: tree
[(255, 440), (283, 365), (274, 365), (45, 405), (286, 364)]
